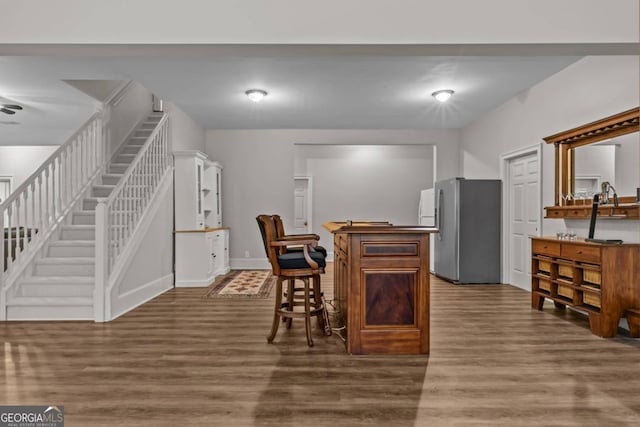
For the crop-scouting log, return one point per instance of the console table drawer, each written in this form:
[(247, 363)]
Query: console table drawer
[(546, 248), (581, 253)]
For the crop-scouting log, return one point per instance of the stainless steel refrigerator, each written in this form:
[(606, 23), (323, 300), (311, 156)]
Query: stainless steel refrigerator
[(468, 215)]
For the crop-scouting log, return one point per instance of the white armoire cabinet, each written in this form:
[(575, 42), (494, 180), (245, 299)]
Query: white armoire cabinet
[(201, 242)]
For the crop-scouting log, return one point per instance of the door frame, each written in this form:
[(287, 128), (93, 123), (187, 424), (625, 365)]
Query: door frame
[(505, 159), (309, 206), (9, 179)]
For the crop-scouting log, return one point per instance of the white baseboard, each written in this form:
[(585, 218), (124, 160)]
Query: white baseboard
[(249, 264), (126, 302), (195, 283), (259, 263)]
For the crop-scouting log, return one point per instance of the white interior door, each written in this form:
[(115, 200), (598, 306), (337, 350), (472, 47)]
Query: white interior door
[(302, 205), (5, 191), (523, 217), (5, 188)]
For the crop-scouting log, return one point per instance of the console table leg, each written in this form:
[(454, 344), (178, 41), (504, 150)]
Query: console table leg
[(559, 305), (537, 301), (633, 319), (603, 326)]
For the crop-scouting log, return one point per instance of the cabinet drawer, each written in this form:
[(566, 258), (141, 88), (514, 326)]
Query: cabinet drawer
[(592, 299), (545, 248), (581, 253)]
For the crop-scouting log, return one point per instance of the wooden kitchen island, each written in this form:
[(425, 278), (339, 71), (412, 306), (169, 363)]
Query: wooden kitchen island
[(381, 286)]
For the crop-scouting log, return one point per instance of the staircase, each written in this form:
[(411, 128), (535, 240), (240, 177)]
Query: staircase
[(60, 283)]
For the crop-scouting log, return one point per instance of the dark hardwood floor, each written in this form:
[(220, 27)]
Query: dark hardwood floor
[(185, 360)]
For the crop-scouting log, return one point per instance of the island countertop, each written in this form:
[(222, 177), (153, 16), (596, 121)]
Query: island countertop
[(374, 227)]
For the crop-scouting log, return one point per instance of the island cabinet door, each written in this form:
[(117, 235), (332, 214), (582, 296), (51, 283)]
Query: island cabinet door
[(390, 289)]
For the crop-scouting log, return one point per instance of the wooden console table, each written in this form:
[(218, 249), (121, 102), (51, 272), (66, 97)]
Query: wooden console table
[(381, 286), (602, 280)]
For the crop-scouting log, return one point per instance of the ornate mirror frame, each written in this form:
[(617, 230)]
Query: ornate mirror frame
[(564, 143)]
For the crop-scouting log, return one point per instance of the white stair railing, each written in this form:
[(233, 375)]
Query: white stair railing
[(33, 211), (118, 215)]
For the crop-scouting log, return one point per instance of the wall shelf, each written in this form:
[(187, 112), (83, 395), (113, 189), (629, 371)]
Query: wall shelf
[(630, 211)]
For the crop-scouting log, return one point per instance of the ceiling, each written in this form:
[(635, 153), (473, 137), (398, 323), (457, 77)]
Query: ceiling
[(308, 88)]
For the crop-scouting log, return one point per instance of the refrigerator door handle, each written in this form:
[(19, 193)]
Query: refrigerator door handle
[(438, 218)]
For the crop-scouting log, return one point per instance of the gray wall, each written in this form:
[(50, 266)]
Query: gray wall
[(309, 21), (128, 109), (259, 169), (20, 162), (587, 90), (627, 163), (185, 133), (364, 182)]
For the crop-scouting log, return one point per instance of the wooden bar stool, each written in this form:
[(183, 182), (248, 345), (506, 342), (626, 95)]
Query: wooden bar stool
[(305, 266)]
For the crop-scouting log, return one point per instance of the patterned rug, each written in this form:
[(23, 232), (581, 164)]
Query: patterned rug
[(243, 284)]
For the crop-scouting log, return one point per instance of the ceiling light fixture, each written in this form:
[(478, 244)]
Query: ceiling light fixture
[(442, 95), (9, 108), (256, 95)]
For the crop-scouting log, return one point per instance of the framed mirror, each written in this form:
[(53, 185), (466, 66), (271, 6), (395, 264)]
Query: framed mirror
[(607, 150)]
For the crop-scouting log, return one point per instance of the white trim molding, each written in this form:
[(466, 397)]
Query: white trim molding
[(505, 158), (250, 264)]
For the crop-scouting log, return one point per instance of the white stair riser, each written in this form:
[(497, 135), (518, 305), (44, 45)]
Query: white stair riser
[(101, 192), (110, 180), (125, 158), (64, 270), (83, 219), (57, 289), (89, 205), (117, 168), (133, 149), (38, 312), (77, 234), (71, 251)]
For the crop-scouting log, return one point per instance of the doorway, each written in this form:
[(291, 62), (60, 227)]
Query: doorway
[(302, 201), (6, 182), (521, 200)]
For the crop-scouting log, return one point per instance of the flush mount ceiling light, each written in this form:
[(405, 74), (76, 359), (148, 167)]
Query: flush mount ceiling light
[(9, 108), (256, 95), (442, 95)]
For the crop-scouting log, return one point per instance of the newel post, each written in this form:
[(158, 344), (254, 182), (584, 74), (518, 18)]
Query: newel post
[(102, 260), (3, 292)]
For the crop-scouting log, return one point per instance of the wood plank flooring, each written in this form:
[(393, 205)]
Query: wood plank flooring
[(185, 360)]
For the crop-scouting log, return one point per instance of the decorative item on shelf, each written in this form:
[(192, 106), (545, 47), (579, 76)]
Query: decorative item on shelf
[(566, 235)]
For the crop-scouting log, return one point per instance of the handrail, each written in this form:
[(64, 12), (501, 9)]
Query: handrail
[(118, 215), (56, 154), (32, 212), (130, 170)]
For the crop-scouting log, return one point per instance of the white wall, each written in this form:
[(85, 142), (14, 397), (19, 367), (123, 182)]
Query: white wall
[(149, 271), (21, 162), (596, 160), (127, 111), (312, 21), (364, 182), (627, 164), (259, 169), (590, 89), (186, 134)]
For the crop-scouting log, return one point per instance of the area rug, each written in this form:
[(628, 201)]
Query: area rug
[(243, 284)]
